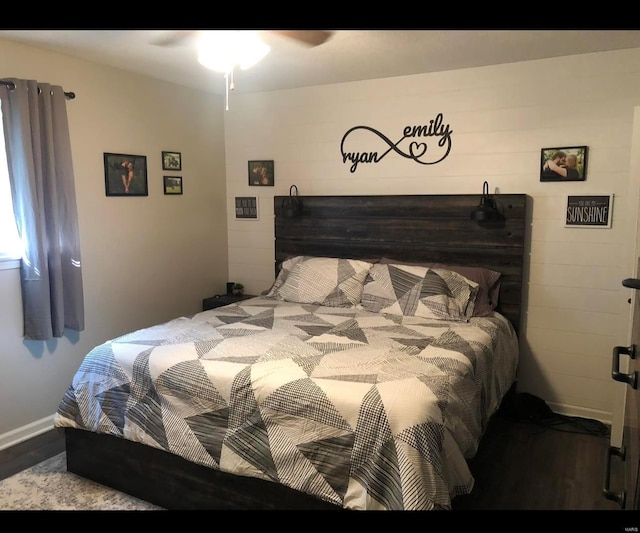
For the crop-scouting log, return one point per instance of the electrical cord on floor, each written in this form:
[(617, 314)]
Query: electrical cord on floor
[(529, 408), (575, 424)]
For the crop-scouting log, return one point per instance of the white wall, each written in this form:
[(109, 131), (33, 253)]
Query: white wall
[(576, 309), (145, 259)]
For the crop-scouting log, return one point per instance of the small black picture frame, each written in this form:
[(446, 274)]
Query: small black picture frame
[(171, 161), (261, 173), (172, 184), (564, 163), (125, 175)]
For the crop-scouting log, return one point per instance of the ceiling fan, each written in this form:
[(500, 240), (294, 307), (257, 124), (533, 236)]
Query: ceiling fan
[(222, 51), (305, 37)]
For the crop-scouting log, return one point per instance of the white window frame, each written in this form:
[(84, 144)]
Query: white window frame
[(8, 259)]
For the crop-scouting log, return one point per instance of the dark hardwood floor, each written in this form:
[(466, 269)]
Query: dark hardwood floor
[(527, 465), (520, 465)]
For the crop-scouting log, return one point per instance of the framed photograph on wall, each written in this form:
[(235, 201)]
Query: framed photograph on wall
[(563, 164), (172, 184), (171, 161), (125, 175), (261, 173), (589, 211)]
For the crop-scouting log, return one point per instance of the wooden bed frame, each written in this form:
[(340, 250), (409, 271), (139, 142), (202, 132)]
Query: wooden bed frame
[(418, 228)]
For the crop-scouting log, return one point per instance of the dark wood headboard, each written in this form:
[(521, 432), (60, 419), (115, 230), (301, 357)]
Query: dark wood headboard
[(418, 228)]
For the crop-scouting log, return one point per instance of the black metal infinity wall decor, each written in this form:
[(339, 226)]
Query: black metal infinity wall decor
[(416, 151)]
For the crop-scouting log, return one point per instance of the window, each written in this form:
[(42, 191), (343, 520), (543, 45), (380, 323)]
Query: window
[(9, 240)]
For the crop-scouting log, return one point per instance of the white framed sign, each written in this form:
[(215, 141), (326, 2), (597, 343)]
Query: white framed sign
[(247, 208), (589, 211)]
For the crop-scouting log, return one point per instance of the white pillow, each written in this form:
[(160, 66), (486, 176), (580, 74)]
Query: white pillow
[(329, 281)]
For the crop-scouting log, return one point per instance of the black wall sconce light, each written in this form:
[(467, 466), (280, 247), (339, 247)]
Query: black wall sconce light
[(486, 210), (292, 204)]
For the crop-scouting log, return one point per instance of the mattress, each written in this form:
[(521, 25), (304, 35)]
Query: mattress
[(368, 411)]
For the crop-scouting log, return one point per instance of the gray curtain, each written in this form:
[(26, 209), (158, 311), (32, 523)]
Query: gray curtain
[(38, 148)]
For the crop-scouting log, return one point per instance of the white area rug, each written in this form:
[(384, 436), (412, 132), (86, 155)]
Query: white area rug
[(48, 486)]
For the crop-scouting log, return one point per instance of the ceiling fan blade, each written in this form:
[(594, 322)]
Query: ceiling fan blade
[(174, 37), (309, 37)]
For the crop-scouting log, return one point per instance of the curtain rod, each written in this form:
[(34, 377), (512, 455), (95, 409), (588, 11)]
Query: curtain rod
[(11, 85)]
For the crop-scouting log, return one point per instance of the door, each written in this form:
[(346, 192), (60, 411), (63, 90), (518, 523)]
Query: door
[(624, 369), (631, 430), (625, 436)]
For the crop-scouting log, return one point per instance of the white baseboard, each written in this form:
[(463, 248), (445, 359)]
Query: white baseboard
[(23, 433), (572, 410)]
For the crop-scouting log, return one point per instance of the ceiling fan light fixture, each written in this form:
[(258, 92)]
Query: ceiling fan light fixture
[(223, 50)]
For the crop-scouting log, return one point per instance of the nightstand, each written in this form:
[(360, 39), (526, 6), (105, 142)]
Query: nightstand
[(223, 299)]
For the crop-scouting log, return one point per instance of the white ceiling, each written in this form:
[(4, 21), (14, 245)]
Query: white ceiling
[(350, 55)]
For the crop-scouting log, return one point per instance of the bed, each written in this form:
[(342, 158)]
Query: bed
[(363, 379)]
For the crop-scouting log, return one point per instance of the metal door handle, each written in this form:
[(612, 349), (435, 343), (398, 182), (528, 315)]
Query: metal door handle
[(620, 497), (631, 379), (631, 283)]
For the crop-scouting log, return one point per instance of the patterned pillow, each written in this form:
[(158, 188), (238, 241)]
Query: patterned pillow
[(411, 290), (329, 281), (489, 280)]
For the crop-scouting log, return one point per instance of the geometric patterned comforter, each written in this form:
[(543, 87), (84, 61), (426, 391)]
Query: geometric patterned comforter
[(364, 410)]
